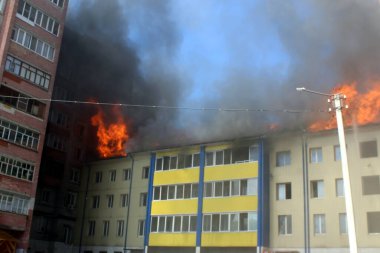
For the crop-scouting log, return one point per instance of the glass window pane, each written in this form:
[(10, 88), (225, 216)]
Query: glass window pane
[(234, 222), (243, 222), (177, 223), (207, 222), (187, 194), (243, 187), (219, 157), (164, 192), (194, 190), (252, 221), (193, 223), (226, 188), (215, 222), (224, 222), (161, 224), (252, 186), (235, 187), (169, 224), (218, 189), (154, 224), (173, 163), (179, 194), (208, 189), (171, 194), (185, 223)]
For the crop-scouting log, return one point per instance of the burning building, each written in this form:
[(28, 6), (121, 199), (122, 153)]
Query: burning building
[(30, 40), (280, 192)]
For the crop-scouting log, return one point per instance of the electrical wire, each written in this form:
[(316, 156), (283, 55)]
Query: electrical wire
[(165, 106)]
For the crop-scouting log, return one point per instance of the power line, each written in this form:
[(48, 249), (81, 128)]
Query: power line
[(165, 106)]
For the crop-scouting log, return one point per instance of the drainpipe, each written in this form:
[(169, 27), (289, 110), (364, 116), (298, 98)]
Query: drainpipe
[(129, 202), (84, 210), (305, 174)]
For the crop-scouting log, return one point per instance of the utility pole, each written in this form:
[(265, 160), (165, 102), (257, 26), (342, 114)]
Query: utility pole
[(338, 104)]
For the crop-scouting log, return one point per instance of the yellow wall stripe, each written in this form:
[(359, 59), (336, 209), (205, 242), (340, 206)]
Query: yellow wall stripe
[(230, 204)]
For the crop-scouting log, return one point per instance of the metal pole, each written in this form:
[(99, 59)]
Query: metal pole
[(346, 175), (129, 202)]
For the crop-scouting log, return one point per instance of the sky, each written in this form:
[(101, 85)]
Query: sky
[(238, 54)]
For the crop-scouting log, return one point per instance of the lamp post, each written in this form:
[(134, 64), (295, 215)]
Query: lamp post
[(338, 105)]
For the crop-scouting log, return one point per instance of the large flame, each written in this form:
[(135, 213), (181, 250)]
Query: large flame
[(363, 108), (112, 137)]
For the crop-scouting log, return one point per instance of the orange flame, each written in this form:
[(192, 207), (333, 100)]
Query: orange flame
[(112, 138), (363, 108)]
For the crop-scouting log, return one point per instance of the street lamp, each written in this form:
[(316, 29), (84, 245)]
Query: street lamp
[(338, 105)]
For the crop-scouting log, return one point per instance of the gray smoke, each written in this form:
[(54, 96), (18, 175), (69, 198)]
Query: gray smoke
[(322, 43)]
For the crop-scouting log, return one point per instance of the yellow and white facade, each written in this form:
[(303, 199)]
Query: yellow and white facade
[(205, 198)]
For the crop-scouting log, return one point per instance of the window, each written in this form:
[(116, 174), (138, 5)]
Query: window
[(284, 224), (317, 189), (120, 228), (42, 224), (70, 200), (59, 3), (169, 224), (141, 228), (319, 224), (166, 192), (16, 168), (154, 224), (127, 174), (371, 185), (28, 72), (145, 172), (206, 222), (177, 223), (143, 199), (339, 186), (337, 154), (229, 222), (19, 135), (240, 155), (112, 175), (282, 158), (123, 200), (241, 187), (13, 203), (67, 234), (284, 191), (56, 142), (91, 228), (35, 16), (316, 155), (193, 223), (95, 201), (106, 228), (45, 196), (21, 102), (235, 187), (109, 201), (373, 222), (253, 153), (32, 43), (2, 5), (74, 175), (368, 149), (343, 223), (98, 177)]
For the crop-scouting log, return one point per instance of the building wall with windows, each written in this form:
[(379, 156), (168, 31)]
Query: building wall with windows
[(31, 33), (112, 205), (205, 198), (315, 216)]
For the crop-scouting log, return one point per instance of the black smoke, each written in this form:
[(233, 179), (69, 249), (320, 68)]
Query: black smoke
[(324, 42)]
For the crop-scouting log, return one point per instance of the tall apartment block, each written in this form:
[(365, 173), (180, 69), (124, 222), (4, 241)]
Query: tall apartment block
[(30, 40)]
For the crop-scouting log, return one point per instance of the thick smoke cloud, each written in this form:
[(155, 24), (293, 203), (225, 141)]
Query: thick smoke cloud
[(128, 51)]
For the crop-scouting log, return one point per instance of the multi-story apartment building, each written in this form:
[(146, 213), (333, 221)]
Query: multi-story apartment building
[(112, 205), (307, 194), (54, 216), (30, 39), (280, 193)]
